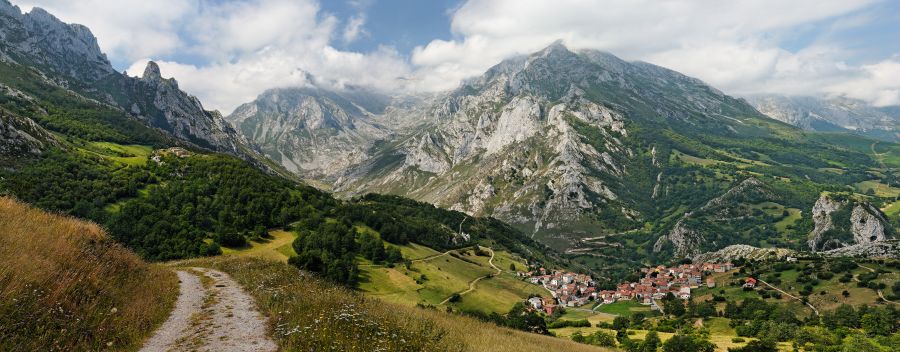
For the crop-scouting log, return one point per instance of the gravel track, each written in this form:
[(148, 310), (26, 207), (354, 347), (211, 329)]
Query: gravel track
[(212, 313)]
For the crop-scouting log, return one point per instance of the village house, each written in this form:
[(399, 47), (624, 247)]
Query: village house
[(573, 290), (750, 282), (535, 302)]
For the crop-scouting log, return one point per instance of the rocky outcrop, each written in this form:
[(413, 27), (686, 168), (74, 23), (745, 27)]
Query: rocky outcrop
[(821, 214), (38, 38), (68, 55), (737, 251), (880, 249), (162, 104), (22, 137), (846, 222), (684, 241), (867, 224)]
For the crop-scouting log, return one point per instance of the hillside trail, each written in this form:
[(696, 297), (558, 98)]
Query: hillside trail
[(791, 296), (878, 156), (880, 294), (212, 313), (473, 282)]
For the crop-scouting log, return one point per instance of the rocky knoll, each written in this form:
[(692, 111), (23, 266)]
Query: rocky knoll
[(842, 221)]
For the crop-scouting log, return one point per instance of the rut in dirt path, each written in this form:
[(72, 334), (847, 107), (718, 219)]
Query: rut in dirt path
[(212, 313)]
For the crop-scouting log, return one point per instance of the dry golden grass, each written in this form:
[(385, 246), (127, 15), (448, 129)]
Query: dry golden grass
[(307, 314), (66, 286)]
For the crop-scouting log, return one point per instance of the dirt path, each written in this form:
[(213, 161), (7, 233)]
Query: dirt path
[(877, 156), (791, 296), (880, 294), (473, 282), (212, 313), (430, 257)]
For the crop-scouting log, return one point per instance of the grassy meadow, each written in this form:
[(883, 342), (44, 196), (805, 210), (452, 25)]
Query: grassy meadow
[(66, 286), (432, 277), (306, 313)]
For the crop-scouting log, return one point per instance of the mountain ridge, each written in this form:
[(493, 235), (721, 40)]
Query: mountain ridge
[(569, 145)]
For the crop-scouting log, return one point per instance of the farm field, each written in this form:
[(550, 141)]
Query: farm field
[(625, 308), (880, 189), (277, 248), (131, 155), (431, 277), (434, 276)]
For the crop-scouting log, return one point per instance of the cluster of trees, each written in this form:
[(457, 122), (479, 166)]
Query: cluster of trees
[(73, 184), (373, 248), (215, 196), (329, 250), (519, 318), (401, 220)]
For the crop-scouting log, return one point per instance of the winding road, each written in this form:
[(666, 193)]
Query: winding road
[(212, 313), (473, 282)]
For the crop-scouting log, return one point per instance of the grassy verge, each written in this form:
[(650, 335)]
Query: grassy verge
[(65, 285), (306, 313)]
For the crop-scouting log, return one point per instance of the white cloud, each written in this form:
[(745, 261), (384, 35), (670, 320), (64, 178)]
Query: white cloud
[(878, 83), (234, 50), (125, 29), (733, 45), (240, 48), (354, 28)]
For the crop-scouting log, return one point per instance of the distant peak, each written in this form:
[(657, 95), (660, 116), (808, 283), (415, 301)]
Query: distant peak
[(152, 72), (558, 46)]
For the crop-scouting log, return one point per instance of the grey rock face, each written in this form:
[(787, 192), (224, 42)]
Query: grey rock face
[(821, 214), (880, 249), (69, 55), (40, 38), (20, 137), (734, 252), (539, 141), (182, 114), (865, 225), (685, 241), (313, 132)]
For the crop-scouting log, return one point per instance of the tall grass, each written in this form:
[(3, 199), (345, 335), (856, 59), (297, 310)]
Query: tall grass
[(66, 286), (308, 314)]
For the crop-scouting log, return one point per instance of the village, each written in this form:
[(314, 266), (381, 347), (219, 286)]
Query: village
[(569, 289)]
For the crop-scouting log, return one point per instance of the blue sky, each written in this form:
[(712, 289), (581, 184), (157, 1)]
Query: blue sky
[(403, 24), (228, 51)]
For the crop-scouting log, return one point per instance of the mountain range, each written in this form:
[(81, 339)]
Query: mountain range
[(67, 56), (832, 115), (589, 153), (617, 163)]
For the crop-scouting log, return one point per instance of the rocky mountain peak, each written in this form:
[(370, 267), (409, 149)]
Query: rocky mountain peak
[(151, 72), (70, 50), (8, 9)]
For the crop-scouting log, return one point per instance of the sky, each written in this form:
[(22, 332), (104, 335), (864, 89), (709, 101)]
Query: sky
[(228, 52)]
